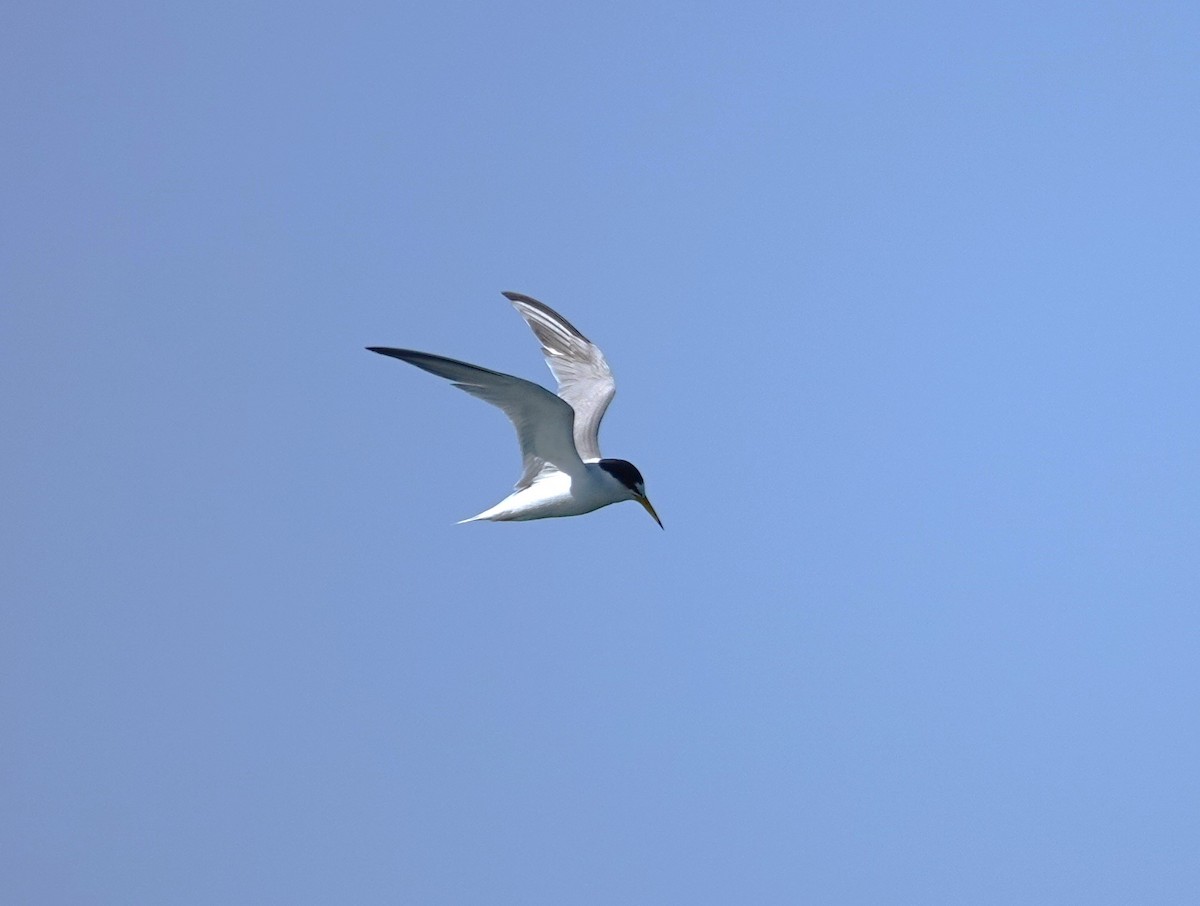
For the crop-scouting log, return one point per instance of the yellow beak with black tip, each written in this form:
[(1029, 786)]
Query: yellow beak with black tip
[(650, 509)]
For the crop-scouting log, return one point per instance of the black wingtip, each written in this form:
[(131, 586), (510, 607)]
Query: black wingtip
[(387, 350), (529, 300), (544, 309)]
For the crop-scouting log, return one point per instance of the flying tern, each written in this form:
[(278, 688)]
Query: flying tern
[(564, 474)]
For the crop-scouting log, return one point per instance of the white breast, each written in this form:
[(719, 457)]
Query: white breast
[(555, 493)]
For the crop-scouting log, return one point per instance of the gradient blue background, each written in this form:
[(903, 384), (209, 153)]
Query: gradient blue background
[(902, 304)]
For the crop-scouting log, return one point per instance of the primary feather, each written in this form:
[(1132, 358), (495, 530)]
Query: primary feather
[(584, 378), (543, 421)]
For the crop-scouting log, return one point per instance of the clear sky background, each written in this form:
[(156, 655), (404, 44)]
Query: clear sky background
[(902, 305)]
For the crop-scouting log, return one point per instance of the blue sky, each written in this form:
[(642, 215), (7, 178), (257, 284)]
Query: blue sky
[(901, 302)]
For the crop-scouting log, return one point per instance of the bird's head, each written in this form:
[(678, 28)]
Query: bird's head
[(628, 476)]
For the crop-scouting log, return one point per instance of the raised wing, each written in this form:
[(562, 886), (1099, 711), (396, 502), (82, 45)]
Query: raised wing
[(543, 421), (584, 378)]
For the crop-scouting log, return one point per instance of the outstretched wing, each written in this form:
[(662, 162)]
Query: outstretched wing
[(543, 421), (584, 378)]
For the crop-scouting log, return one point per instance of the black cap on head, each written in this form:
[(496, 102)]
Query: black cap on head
[(624, 472)]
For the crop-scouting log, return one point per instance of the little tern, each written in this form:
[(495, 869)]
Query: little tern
[(564, 474)]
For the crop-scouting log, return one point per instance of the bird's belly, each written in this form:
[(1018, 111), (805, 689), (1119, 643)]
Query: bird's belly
[(553, 495)]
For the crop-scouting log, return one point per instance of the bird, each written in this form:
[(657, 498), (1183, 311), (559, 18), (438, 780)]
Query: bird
[(563, 472)]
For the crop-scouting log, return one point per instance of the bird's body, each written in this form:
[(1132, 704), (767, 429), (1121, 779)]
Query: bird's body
[(557, 494), (564, 474)]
